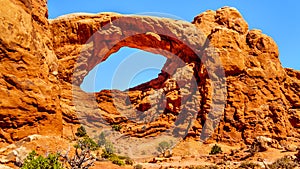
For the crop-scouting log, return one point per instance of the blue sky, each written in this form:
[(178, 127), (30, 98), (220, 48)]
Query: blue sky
[(121, 70), (278, 19)]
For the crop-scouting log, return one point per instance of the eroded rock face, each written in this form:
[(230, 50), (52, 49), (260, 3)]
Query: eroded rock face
[(261, 95), (43, 63), (29, 87)]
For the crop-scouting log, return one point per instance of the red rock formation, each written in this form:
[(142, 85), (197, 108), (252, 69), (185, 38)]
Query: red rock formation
[(260, 96), (29, 87), (44, 61)]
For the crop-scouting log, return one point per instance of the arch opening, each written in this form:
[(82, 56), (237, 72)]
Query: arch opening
[(127, 68)]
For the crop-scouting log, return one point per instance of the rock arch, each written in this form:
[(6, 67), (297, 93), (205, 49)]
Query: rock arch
[(169, 111), (181, 42), (245, 55)]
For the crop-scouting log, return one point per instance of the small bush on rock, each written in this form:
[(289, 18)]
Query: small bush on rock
[(81, 132), (215, 150), (117, 127), (87, 143), (83, 157), (164, 147)]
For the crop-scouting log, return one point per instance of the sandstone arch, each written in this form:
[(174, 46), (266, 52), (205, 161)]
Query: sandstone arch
[(244, 55), (184, 45), (181, 42)]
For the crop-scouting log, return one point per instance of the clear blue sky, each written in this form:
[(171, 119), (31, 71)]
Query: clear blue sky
[(278, 19)]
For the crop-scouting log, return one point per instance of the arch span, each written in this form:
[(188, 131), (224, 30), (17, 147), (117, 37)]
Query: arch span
[(157, 35)]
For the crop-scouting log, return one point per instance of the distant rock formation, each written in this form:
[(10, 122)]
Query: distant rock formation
[(43, 62)]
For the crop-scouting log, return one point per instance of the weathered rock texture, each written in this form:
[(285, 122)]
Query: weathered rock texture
[(262, 97), (42, 66), (28, 85)]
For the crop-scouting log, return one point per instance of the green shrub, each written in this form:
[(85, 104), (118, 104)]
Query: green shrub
[(86, 143), (108, 150), (116, 160), (83, 158), (109, 147), (81, 132), (138, 166), (215, 150), (117, 127), (33, 161), (163, 147), (108, 153), (283, 163), (105, 154), (102, 139)]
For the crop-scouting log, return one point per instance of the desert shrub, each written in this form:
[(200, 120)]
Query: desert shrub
[(83, 157), (163, 147), (215, 150), (116, 160), (102, 139), (138, 166), (86, 143), (117, 127), (108, 150), (108, 153), (81, 132), (33, 161), (283, 163), (105, 154), (249, 165)]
